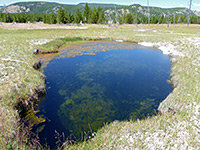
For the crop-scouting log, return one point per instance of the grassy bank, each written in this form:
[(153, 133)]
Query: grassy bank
[(177, 130)]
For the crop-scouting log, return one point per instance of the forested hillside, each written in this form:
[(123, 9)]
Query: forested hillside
[(94, 13), (48, 7)]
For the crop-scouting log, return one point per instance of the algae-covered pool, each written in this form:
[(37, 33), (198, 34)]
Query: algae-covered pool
[(94, 83)]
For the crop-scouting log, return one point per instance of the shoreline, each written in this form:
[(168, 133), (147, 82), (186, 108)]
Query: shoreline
[(40, 92), (183, 100)]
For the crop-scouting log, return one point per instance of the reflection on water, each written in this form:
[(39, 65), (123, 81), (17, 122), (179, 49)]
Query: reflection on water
[(84, 92)]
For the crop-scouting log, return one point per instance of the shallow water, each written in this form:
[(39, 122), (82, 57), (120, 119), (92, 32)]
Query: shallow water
[(85, 91)]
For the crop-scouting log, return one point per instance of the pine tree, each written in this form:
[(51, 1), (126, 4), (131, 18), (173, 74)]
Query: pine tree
[(99, 10), (160, 20), (129, 18), (164, 21), (114, 20), (78, 16), (100, 16), (134, 17), (124, 18), (59, 15), (90, 16), (64, 16), (32, 18), (120, 19), (70, 17), (1, 17), (144, 19), (94, 16), (51, 19), (44, 20), (182, 19), (154, 20), (86, 13)]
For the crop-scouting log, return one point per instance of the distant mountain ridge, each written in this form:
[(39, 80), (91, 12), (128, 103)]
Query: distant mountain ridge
[(38, 7), (154, 11), (109, 9), (100, 4)]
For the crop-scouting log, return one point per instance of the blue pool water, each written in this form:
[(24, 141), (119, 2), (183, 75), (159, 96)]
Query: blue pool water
[(87, 91)]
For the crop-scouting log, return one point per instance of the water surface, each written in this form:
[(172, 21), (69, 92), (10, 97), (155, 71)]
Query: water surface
[(119, 82)]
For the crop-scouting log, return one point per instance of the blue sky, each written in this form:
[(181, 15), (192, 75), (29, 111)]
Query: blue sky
[(158, 3)]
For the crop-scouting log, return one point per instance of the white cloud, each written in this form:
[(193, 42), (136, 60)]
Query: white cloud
[(198, 5)]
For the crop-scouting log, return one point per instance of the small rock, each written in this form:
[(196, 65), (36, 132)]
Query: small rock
[(36, 51), (37, 65)]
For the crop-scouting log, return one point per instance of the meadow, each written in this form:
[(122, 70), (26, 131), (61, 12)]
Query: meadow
[(176, 127)]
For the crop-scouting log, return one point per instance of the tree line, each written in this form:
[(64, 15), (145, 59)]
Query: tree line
[(90, 16), (94, 16), (132, 18)]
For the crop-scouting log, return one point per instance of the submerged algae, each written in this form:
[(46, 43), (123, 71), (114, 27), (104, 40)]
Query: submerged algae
[(86, 110), (32, 119)]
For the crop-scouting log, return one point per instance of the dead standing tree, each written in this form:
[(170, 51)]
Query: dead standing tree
[(136, 21), (110, 21), (116, 16), (174, 18), (148, 12), (190, 6), (168, 20)]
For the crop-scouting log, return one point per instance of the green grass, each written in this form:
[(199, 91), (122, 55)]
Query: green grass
[(18, 80), (59, 43)]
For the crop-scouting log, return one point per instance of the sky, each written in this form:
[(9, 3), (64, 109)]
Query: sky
[(157, 3)]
